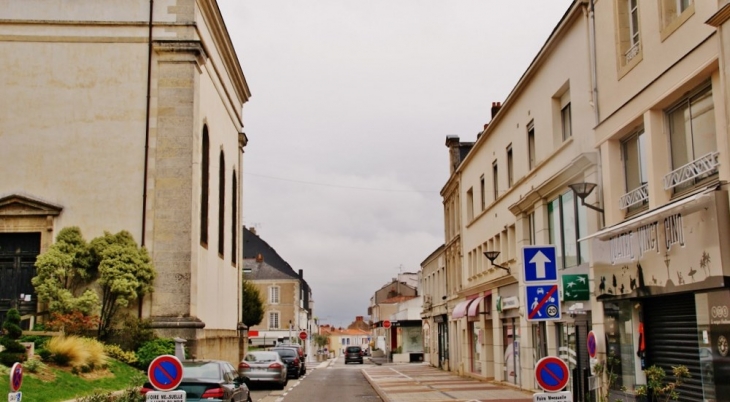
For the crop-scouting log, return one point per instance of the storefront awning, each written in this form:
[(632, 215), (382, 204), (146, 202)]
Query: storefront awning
[(460, 309), (686, 205), (473, 308)]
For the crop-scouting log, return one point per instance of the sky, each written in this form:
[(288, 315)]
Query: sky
[(351, 105)]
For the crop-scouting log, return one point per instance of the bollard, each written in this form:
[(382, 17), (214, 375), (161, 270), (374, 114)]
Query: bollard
[(180, 348)]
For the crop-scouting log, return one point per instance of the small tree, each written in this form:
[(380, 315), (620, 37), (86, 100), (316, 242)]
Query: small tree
[(657, 389), (14, 352), (320, 340), (125, 274), (63, 271), (252, 304), (605, 370)]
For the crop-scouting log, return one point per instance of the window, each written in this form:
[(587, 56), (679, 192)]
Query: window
[(234, 217), (204, 187), (470, 205), (531, 228), (483, 191), (692, 138), (221, 204), (619, 318), (531, 146), (510, 167), (567, 224), (672, 14), (629, 32), (495, 179), (634, 22), (274, 295), (566, 122), (634, 155), (273, 320)]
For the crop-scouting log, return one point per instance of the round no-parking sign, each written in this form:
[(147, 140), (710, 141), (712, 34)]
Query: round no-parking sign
[(552, 374), (165, 372), (592, 344), (16, 377)]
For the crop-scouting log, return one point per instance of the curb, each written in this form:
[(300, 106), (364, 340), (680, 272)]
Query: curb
[(376, 387), (374, 362)]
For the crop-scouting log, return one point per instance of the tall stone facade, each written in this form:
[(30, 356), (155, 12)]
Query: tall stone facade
[(102, 125)]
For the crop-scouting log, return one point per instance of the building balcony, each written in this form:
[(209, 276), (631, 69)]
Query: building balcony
[(632, 52), (635, 196), (703, 166)]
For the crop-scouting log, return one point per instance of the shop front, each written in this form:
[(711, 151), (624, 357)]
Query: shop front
[(660, 279), (508, 305), (442, 334)]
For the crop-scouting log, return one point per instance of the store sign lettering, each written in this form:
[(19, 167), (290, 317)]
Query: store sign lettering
[(647, 237)]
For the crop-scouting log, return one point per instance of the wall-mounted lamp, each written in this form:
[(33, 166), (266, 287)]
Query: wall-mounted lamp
[(582, 190), (491, 256)]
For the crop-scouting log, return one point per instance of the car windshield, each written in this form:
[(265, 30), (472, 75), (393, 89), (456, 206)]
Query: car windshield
[(263, 357), (286, 352), (208, 371)]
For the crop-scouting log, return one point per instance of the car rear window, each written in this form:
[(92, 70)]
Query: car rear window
[(261, 357), (286, 352), (353, 349)]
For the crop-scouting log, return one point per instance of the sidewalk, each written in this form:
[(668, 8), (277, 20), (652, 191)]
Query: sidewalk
[(416, 382)]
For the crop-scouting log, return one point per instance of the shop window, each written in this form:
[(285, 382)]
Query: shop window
[(633, 150), (539, 340), (693, 140), (511, 336), (567, 224), (620, 348)]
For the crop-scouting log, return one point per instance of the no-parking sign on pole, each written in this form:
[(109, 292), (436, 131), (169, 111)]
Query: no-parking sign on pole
[(16, 380), (552, 374), (165, 374)]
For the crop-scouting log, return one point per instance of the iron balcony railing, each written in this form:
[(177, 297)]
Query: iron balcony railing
[(633, 51), (635, 196), (705, 165)]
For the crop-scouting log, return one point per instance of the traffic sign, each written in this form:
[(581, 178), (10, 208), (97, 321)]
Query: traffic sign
[(592, 345), (565, 396), (386, 324), (16, 377), (552, 374), (543, 302), (539, 264), (165, 372), (303, 335)]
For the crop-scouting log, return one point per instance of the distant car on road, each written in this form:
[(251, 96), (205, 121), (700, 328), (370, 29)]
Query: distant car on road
[(263, 367), (353, 354), (209, 381)]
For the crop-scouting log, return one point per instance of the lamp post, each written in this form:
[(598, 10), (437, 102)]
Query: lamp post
[(290, 331)]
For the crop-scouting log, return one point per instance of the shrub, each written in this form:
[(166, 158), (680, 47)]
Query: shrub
[(38, 340), (134, 333), (45, 354), (97, 356), (150, 350), (68, 350), (33, 365), (120, 354), (74, 323), (14, 352)]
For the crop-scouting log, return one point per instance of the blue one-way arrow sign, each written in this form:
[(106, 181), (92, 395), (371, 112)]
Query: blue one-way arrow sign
[(539, 264)]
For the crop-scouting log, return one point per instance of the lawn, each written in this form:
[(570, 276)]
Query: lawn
[(56, 385)]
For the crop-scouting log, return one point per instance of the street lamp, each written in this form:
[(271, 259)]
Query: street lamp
[(582, 190), (491, 256), (290, 331)]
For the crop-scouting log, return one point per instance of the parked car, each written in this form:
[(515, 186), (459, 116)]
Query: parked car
[(209, 381), (291, 358), (353, 354), (263, 367), (300, 350)]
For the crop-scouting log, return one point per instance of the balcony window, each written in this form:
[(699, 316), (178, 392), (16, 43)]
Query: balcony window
[(567, 224), (634, 155), (629, 34), (692, 140)]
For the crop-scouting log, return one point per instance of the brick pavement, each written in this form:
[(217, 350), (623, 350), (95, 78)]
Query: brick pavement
[(421, 382)]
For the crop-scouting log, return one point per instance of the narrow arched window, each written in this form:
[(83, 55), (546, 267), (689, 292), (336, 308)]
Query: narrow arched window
[(204, 187), (234, 217), (221, 204)]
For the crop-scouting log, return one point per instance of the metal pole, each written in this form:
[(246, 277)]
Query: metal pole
[(290, 331)]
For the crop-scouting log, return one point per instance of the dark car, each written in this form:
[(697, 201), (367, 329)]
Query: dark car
[(209, 381), (300, 350), (353, 354), (290, 356)]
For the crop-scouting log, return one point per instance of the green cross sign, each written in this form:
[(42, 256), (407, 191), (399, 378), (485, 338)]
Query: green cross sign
[(575, 287)]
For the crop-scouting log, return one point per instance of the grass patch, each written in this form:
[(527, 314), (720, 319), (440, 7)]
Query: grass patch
[(57, 384)]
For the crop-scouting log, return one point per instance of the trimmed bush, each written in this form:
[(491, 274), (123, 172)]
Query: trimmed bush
[(14, 352), (33, 365), (150, 350), (116, 352)]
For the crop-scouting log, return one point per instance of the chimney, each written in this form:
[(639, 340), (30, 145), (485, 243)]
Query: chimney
[(495, 108), (452, 141), (259, 257), (252, 230), (301, 273), (359, 318)]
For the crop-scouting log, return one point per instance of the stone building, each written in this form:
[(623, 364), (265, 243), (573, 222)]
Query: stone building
[(127, 116)]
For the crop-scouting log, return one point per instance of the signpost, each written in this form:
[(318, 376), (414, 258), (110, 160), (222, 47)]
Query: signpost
[(165, 374), (303, 335), (16, 380)]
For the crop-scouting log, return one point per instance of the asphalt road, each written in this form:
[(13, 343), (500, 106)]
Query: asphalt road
[(338, 382)]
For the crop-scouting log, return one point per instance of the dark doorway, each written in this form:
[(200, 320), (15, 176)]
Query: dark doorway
[(18, 253)]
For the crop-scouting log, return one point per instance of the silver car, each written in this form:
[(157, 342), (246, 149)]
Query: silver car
[(263, 366)]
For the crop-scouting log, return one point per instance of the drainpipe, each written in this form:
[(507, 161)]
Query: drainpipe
[(594, 68), (146, 139)]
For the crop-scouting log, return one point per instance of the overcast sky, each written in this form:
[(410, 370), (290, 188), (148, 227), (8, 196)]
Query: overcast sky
[(352, 102)]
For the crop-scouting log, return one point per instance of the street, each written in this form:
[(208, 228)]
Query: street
[(336, 382)]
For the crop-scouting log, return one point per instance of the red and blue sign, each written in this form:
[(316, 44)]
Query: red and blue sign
[(165, 373), (592, 344), (16, 377), (552, 374), (543, 302)]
